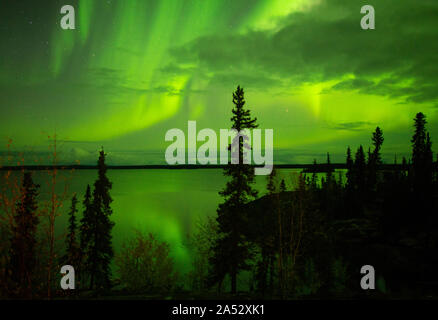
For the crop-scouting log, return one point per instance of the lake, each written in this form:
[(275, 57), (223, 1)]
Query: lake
[(165, 202)]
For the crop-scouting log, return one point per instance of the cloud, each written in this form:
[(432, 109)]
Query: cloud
[(174, 69), (353, 84), (251, 81), (352, 126), (326, 43)]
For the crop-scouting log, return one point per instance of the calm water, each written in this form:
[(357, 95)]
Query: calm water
[(167, 203)]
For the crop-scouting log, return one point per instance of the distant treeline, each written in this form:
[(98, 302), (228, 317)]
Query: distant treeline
[(322, 167)]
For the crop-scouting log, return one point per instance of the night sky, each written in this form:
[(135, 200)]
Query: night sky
[(134, 69)]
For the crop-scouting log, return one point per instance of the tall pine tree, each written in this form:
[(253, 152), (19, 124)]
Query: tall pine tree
[(374, 160), (377, 139), (97, 228), (87, 221), (422, 156), (231, 250), (421, 175)]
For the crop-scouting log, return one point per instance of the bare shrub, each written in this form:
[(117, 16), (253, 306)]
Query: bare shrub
[(144, 264)]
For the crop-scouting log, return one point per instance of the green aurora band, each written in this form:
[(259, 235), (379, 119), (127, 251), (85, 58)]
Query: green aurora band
[(133, 69)]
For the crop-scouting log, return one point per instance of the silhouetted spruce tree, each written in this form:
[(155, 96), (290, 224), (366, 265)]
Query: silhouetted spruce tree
[(282, 186), (313, 184), (377, 143), (349, 163), (329, 193), (23, 242), (374, 160), (99, 247), (404, 165), (72, 256), (422, 167), (349, 185), (231, 251), (359, 180), (271, 185), (435, 170), (429, 156), (329, 172), (422, 156), (85, 229), (419, 140), (359, 169)]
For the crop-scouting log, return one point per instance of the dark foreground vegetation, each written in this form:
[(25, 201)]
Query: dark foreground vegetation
[(309, 242)]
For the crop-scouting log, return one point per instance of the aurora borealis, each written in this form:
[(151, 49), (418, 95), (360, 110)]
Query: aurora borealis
[(133, 69)]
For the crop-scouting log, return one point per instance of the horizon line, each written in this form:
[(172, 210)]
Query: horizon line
[(182, 166)]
